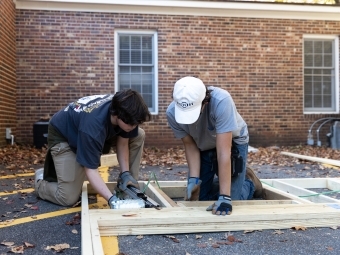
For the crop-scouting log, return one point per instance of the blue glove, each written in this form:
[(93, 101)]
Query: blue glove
[(222, 206), (125, 179), (193, 189)]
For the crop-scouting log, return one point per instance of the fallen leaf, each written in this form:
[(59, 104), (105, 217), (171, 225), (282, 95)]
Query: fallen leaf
[(198, 237), (58, 247), (278, 232), (299, 228), (7, 243), (215, 245), (201, 245), (28, 245), (18, 249), (231, 238), (140, 237)]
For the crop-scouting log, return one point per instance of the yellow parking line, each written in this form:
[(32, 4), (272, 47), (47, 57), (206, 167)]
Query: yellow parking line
[(109, 243), (16, 192), (38, 217), (16, 176)]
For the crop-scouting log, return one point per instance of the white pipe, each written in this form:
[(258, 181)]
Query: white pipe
[(12, 139)]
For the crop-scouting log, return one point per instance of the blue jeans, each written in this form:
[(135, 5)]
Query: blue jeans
[(241, 188)]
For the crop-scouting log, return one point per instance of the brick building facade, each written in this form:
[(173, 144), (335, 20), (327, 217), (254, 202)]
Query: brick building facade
[(255, 51), (8, 107)]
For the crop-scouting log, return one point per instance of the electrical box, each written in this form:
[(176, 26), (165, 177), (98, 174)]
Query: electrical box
[(335, 135)]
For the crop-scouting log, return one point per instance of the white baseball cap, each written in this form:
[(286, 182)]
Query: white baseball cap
[(188, 95)]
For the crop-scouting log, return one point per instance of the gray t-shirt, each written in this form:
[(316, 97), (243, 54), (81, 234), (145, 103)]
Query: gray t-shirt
[(219, 116)]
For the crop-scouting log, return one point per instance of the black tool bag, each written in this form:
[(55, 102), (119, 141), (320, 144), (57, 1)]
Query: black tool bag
[(236, 161)]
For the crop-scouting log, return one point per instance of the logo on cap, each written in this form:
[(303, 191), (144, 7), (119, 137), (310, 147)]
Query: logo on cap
[(184, 105)]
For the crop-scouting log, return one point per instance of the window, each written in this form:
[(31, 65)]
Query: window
[(136, 65), (321, 74)]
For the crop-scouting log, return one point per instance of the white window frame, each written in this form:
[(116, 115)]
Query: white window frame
[(336, 67), (118, 32)]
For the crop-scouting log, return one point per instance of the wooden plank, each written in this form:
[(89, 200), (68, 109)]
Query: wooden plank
[(300, 192), (108, 160), (315, 159), (86, 236), (236, 203), (185, 219), (286, 211), (272, 193), (169, 201)]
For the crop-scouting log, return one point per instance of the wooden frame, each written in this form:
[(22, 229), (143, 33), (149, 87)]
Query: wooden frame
[(283, 208)]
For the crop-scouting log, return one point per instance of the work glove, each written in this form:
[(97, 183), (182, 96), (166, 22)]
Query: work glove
[(222, 206), (113, 199), (193, 189), (125, 179)]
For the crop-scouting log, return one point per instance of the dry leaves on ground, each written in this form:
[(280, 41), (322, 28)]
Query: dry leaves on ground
[(24, 158)]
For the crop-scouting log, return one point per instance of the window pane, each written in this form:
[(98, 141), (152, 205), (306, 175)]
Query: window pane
[(318, 47), (124, 42), (124, 57), (136, 69), (317, 101), (327, 88), (328, 47), (148, 99), (147, 43), (124, 80), (147, 57), (308, 87), (327, 101), (308, 60), (147, 69), (135, 57), (124, 69), (308, 46), (136, 80), (135, 42), (318, 60), (328, 60), (308, 101)]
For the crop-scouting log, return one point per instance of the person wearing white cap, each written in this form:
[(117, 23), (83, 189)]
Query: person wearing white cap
[(215, 138)]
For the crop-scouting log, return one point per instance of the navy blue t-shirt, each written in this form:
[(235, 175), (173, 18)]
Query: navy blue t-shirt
[(86, 125)]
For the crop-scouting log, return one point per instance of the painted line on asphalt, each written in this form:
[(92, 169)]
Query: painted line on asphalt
[(109, 243), (2, 194), (11, 176), (32, 218)]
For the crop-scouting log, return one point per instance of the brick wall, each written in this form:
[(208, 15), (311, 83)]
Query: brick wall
[(66, 55), (7, 69)]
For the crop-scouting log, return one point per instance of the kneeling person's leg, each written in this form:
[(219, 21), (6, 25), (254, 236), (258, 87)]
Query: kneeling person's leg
[(70, 176)]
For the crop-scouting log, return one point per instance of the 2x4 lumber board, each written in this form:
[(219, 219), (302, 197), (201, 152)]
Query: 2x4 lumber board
[(312, 183), (236, 203), (315, 159), (300, 192), (86, 236), (173, 189), (108, 160), (165, 197), (185, 219), (157, 195), (272, 193)]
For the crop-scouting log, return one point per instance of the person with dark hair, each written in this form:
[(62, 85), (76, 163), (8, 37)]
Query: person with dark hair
[(215, 138), (77, 137)]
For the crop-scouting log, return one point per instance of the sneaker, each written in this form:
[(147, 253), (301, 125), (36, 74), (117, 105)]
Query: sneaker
[(39, 175), (250, 174)]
